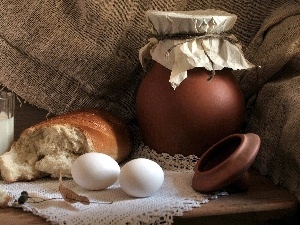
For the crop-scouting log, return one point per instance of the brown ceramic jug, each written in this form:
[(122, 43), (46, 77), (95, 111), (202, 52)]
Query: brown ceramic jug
[(194, 116), (190, 100)]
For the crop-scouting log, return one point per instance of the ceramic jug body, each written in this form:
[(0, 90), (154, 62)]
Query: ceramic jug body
[(189, 119)]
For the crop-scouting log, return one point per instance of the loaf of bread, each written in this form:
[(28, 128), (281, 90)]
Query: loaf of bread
[(50, 147)]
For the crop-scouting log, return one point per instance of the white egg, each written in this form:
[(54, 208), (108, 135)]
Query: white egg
[(141, 177), (95, 171)]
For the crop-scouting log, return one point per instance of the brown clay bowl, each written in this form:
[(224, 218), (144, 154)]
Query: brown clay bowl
[(226, 164)]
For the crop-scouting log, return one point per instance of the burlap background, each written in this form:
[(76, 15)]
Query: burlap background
[(63, 55)]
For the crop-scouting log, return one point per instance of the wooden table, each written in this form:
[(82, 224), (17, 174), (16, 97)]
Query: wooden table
[(263, 203)]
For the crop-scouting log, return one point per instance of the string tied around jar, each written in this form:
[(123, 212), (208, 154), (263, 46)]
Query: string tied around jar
[(188, 37), (183, 40)]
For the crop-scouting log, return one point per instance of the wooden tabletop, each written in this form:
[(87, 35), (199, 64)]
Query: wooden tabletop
[(263, 203)]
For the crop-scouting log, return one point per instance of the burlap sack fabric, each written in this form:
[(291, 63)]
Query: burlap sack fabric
[(273, 91), (64, 55)]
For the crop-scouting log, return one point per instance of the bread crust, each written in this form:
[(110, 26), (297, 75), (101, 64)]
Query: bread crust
[(107, 133)]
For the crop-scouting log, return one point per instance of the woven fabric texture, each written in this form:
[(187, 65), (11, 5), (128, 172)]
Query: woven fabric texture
[(63, 55), (273, 92)]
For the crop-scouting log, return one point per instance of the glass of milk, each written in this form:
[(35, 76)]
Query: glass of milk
[(7, 108)]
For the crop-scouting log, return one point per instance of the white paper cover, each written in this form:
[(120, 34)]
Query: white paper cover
[(212, 47)]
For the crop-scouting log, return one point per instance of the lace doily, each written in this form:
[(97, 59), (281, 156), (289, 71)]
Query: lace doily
[(177, 162), (174, 197)]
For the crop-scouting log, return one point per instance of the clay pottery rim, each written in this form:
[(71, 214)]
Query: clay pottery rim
[(226, 163)]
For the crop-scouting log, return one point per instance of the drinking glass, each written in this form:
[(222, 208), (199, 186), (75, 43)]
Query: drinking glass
[(7, 108)]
